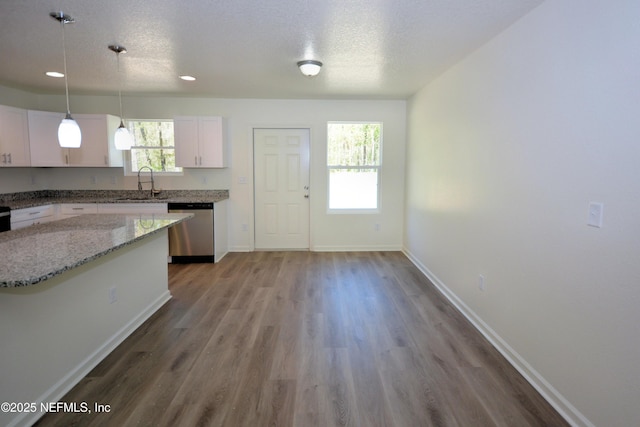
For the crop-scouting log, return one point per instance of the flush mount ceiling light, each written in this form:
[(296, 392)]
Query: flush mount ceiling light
[(188, 78), (54, 74), (310, 67), (69, 135), (123, 139)]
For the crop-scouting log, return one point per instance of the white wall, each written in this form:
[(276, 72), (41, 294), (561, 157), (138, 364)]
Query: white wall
[(328, 232), (504, 153)]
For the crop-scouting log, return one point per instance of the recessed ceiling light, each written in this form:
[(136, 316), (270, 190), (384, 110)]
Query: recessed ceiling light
[(54, 74), (187, 78)]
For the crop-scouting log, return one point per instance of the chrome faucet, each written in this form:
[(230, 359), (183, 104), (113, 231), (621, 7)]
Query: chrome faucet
[(153, 188)]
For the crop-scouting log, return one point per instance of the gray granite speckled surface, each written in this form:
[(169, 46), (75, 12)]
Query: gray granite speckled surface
[(34, 254), (45, 197)]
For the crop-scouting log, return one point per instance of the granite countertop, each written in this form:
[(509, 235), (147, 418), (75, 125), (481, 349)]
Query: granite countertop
[(47, 197), (40, 252)]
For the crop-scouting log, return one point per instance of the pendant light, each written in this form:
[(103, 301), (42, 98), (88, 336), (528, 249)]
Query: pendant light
[(69, 135), (123, 139)]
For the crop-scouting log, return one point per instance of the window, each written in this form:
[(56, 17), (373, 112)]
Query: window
[(153, 146), (353, 161)]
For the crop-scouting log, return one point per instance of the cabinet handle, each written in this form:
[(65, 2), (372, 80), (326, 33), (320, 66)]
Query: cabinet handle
[(66, 159), (77, 209), (200, 160), (106, 162), (4, 158), (9, 158), (34, 213)]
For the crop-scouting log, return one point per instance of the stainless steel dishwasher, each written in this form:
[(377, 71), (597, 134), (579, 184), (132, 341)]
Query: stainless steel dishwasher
[(192, 240)]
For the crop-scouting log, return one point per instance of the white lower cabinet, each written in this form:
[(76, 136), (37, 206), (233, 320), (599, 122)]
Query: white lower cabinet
[(221, 239), (21, 218), (67, 210)]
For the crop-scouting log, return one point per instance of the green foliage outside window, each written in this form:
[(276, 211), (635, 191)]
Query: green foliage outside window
[(153, 146), (353, 144)]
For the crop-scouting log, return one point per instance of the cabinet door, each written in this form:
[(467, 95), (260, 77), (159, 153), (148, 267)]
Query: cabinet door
[(21, 218), (211, 142), (94, 150), (67, 210), (98, 146), (14, 138), (185, 131), (43, 139)]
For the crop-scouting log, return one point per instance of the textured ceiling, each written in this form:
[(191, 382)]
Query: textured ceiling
[(377, 49)]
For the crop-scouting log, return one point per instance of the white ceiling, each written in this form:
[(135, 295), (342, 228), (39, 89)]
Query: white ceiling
[(372, 49)]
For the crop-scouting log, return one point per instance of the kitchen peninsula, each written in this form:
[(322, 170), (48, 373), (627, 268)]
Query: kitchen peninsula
[(70, 292)]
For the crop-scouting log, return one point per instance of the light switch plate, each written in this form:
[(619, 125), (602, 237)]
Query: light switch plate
[(595, 214)]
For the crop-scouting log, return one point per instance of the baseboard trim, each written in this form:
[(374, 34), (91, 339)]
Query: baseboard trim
[(220, 256), (373, 248), (546, 390), (315, 248), (66, 383)]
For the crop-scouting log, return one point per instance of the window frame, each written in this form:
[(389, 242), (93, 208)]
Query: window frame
[(128, 170), (378, 168)]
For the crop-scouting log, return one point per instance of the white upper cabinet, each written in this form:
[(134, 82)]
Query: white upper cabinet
[(200, 142), (14, 137), (98, 141), (97, 149), (43, 139)]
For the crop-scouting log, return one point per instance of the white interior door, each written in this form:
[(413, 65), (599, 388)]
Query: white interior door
[(281, 185)]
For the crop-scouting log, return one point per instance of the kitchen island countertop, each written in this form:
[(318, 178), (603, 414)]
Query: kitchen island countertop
[(34, 254)]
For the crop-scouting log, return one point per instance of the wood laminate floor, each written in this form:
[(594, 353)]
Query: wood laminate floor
[(306, 339)]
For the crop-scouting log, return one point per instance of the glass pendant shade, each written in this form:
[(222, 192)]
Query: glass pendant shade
[(69, 134), (123, 139)]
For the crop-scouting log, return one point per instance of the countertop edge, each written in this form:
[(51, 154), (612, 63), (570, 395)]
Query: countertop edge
[(115, 197)]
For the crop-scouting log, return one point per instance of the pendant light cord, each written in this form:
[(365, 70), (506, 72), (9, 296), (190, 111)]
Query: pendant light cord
[(64, 61), (119, 85)]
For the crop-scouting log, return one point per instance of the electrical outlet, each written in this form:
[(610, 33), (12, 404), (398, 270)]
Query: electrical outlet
[(595, 214), (245, 227), (94, 179), (114, 180), (113, 295), (481, 285)]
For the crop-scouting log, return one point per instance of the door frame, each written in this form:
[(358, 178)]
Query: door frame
[(252, 220)]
